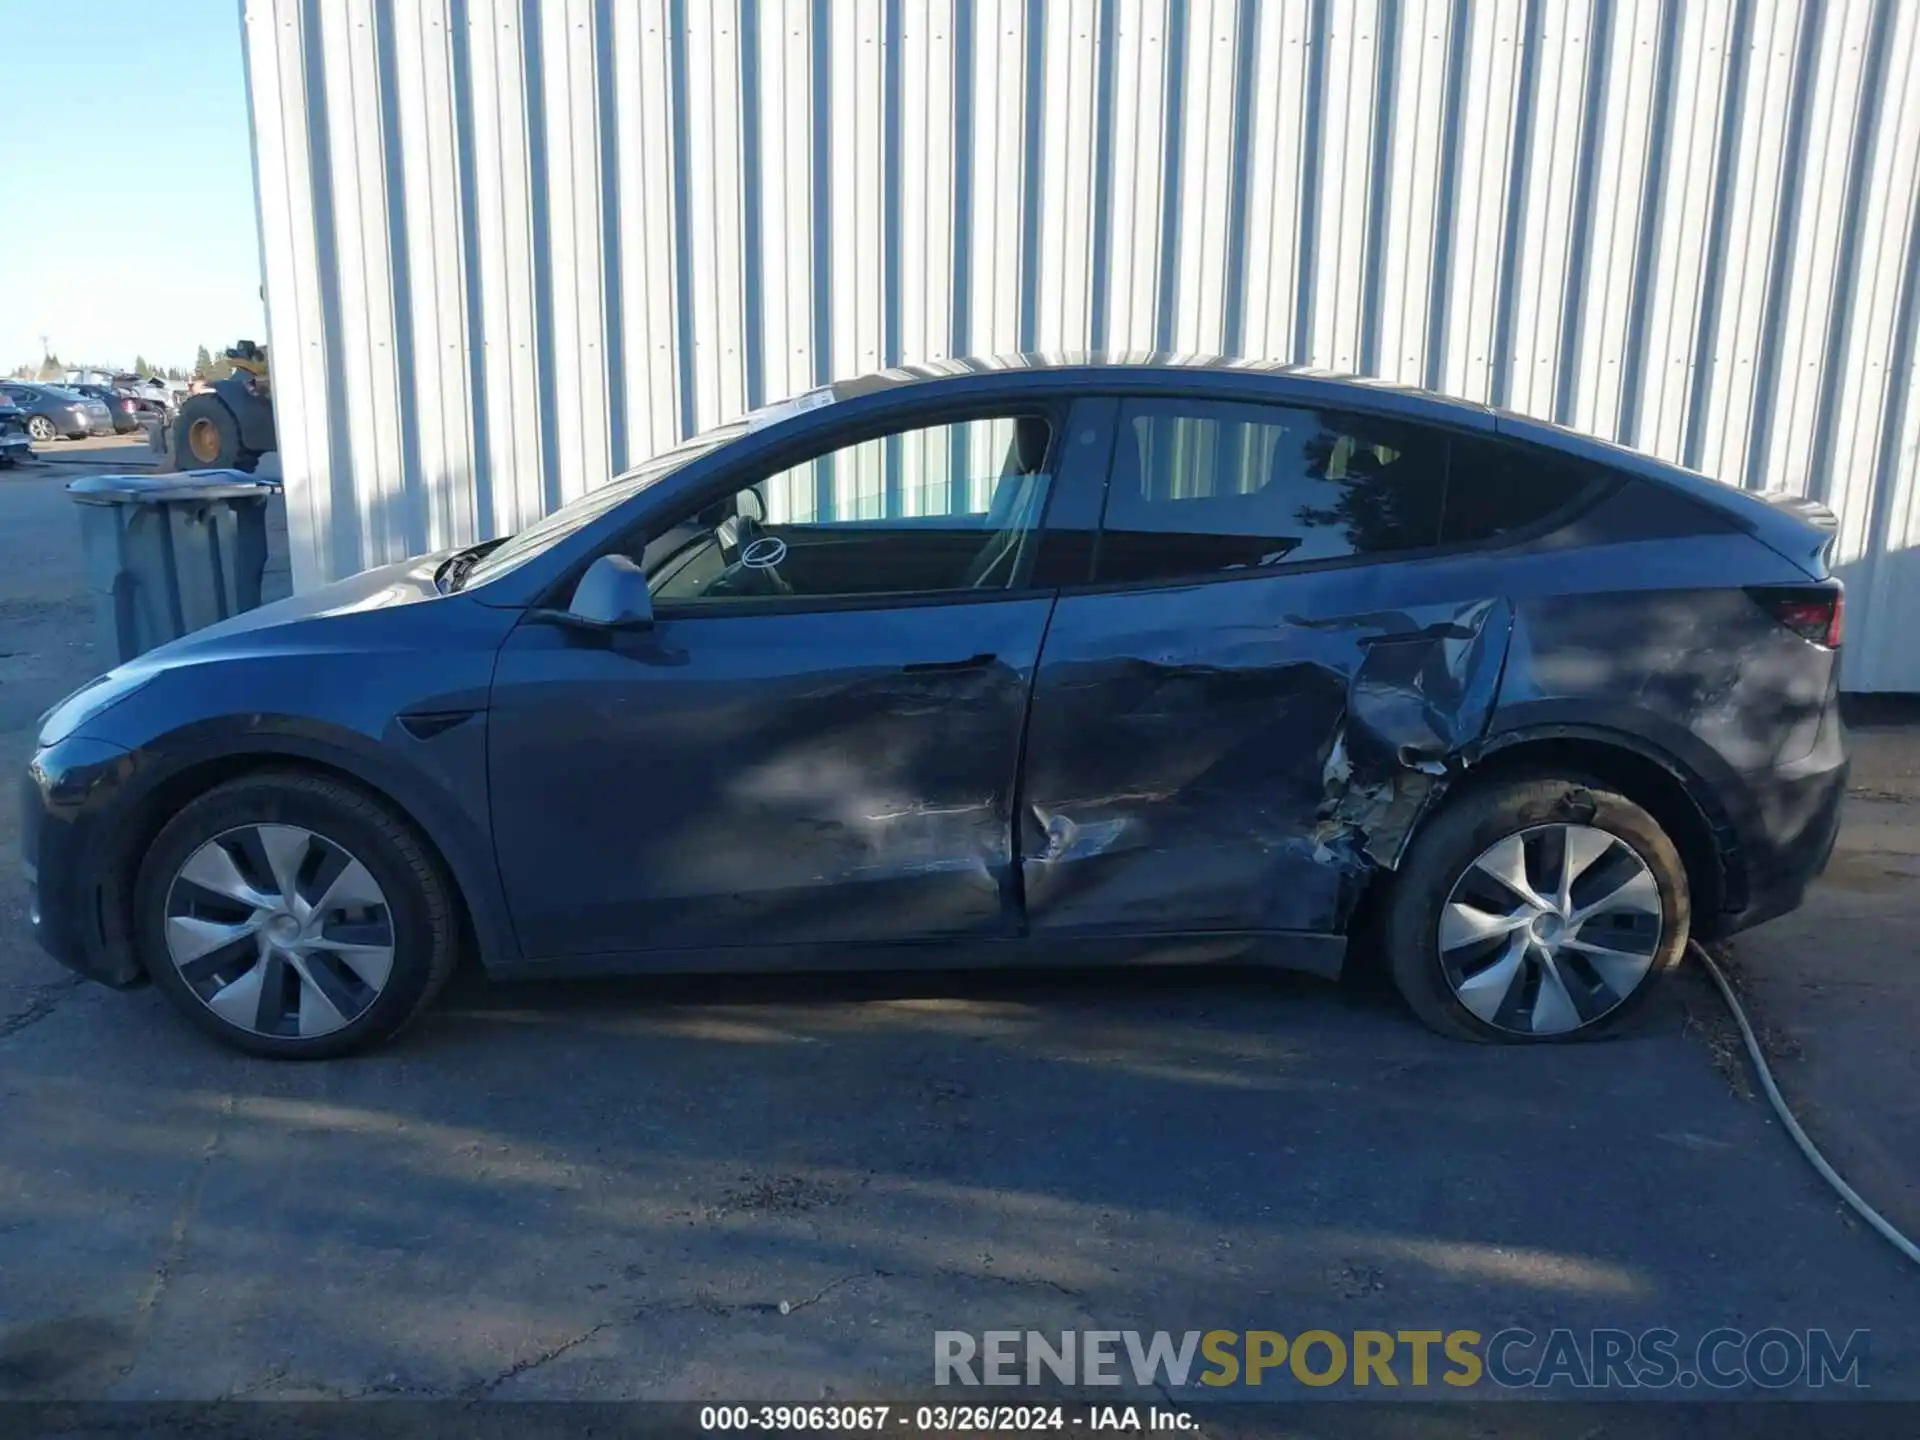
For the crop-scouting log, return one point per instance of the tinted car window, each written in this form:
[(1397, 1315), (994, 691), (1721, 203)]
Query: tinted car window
[(1495, 488), (1199, 489), (942, 508)]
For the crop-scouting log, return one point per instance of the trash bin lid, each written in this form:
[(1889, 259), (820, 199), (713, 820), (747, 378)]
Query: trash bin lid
[(177, 485)]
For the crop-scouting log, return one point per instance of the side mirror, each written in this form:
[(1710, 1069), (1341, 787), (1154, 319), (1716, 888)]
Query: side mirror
[(612, 595)]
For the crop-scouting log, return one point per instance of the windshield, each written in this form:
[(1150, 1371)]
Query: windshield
[(549, 531)]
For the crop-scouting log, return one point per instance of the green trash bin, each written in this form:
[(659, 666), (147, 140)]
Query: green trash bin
[(168, 554)]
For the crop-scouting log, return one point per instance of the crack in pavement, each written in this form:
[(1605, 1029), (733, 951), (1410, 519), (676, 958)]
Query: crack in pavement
[(827, 1289), (554, 1352), (1025, 1282), (174, 1250), (480, 1389), (638, 1313), (41, 1006)]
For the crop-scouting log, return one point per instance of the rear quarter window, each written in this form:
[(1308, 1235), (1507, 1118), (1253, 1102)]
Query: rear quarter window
[(1496, 489)]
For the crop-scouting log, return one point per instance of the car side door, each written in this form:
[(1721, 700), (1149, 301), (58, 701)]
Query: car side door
[(817, 740), (1241, 711)]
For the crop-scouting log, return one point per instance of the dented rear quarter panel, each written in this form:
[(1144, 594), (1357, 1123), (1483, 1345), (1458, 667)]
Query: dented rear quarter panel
[(1695, 676), (1701, 672)]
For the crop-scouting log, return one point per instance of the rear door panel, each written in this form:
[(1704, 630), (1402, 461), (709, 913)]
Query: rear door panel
[(1238, 755)]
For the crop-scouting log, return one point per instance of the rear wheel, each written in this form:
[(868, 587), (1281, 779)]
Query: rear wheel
[(41, 429), (294, 917), (1539, 909)]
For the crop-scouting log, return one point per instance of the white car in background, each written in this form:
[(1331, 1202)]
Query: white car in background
[(158, 396)]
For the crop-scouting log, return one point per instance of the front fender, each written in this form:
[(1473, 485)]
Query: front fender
[(454, 823)]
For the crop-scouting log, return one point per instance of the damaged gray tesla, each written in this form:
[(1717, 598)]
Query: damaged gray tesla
[(1040, 661)]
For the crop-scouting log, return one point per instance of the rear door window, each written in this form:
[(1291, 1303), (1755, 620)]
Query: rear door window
[(1202, 488)]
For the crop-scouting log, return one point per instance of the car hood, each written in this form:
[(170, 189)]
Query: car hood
[(384, 621), (387, 587)]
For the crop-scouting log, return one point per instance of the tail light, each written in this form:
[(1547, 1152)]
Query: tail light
[(1816, 613)]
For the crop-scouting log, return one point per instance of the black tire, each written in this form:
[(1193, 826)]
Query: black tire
[(1479, 816), (420, 901), (206, 436), (41, 429)]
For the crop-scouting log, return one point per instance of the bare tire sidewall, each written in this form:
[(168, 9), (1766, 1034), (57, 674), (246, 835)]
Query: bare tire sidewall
[(1463, 832), (267, 802)]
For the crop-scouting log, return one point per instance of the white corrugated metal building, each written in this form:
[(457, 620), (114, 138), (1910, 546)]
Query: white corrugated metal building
[(513, 246)]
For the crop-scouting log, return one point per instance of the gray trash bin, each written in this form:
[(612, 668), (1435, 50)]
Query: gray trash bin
[(167, 554)]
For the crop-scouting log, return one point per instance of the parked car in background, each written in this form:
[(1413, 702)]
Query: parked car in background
[(153, 395), (997, 662), (53, 411), (122, 409), (14, 444)]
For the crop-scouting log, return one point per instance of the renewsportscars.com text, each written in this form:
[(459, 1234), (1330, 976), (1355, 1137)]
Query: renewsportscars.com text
[(1513, 1358)]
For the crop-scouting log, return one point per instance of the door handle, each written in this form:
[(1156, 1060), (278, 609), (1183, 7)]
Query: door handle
[(950, 667)]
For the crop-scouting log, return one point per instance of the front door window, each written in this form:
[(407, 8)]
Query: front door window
[(941, 510)]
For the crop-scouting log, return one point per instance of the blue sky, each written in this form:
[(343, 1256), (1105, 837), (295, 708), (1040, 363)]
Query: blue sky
[(126, 183)]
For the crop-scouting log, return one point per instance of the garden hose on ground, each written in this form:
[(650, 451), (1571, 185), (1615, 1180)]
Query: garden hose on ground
[(1807, 1148)]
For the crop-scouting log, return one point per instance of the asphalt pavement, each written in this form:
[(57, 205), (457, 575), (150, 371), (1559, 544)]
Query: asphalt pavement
[(781, 1189)]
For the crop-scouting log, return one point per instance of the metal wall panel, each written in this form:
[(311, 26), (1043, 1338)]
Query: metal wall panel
[(513, 246)]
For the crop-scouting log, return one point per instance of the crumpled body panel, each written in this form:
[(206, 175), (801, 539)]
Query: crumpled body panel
[(1241, 756)]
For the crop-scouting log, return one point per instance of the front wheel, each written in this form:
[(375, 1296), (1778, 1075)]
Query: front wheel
[(1537, 909), (294, 917), (207, 437)]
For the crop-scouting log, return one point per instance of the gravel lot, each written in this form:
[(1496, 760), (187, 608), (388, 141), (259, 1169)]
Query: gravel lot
[(781, 1189)]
